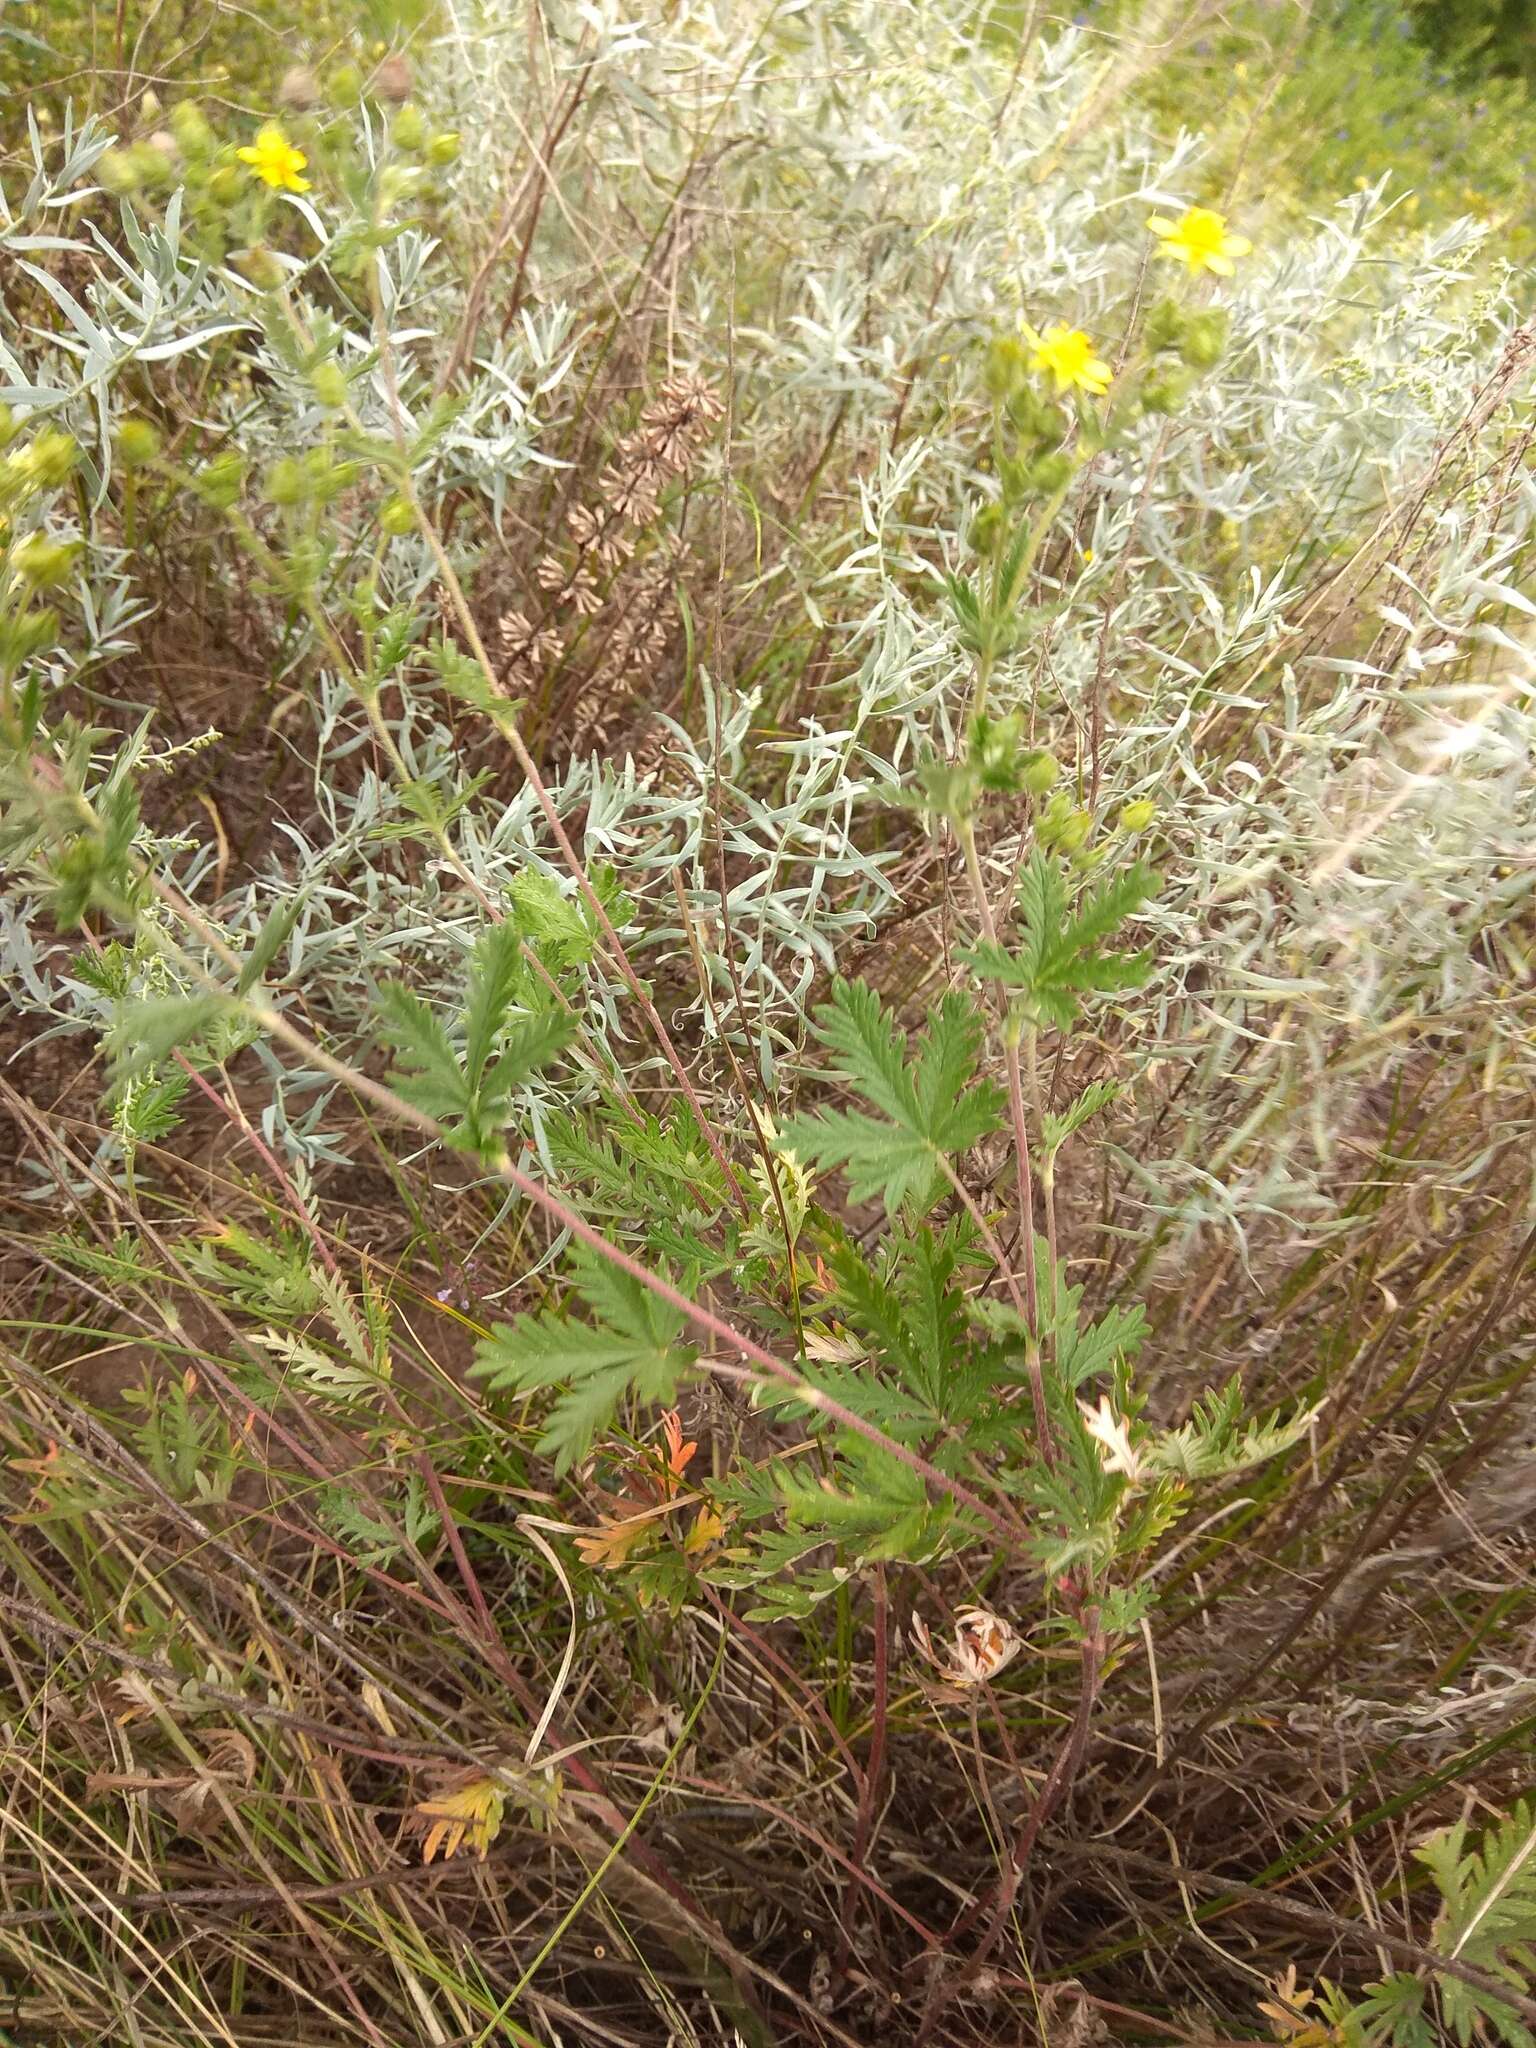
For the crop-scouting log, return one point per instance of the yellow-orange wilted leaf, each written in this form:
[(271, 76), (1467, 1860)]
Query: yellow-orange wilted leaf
[(467, 1817), (611, 1544), (708, 1527)]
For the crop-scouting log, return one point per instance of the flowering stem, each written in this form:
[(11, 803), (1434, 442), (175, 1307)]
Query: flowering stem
[(1021, 1153)]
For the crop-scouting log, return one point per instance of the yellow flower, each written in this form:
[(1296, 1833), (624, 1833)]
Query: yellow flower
[(275, 161), (1200, 239), (1068, 354)]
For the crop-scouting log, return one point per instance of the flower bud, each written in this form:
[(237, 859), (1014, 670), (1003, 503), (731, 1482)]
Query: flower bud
[(985, 528), (119, 172), (260, 267), (48, 459), (397, 515), (1062, 826), (408, 130), (285, 483), (225, 186), (43, 562), (219, 482), (138, 443), (1074, 830), (1165, 393), (443, 149), (1004, 365), (1052, 472), (1040, 771), (329, 384), (27, 634), (1205, 338), (1037, 420), (1165, 326), (1137, 816), (190, 127)]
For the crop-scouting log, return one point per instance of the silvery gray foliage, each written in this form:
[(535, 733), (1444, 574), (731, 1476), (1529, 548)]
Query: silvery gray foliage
[(858, 193)]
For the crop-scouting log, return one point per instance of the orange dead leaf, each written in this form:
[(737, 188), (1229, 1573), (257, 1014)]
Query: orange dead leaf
[(679, 1454)]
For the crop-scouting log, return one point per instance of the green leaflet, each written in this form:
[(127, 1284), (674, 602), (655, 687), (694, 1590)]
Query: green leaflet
[(629, 1349), (929, 1105)]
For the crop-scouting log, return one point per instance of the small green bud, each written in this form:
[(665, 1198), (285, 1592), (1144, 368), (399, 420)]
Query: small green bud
[(225, 186), (119, 172), (138, 443), (444, 148), (994, 751), (344, 88), (286, 482), (220, 481), (1038, 421), (397, 515), (1014, 478), (1052, 472), (986, 528), (190, 127), (408, 130), (48, 460), (1137, 816), (397, 182), (1074, 830), (1165, 393), (329, 383), (155, 159), (43, 562), (1040, 771), (1205, 339), (1004, 366), (25, 635), (1165, 326), (1062, 826)]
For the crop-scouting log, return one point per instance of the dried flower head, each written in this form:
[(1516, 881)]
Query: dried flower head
[(983, 1645)]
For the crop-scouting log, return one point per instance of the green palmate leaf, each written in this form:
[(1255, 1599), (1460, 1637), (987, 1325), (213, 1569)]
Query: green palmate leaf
[(428, 1074), (552, 922), (1396, 2012), (875, 1506), (928, 1109), (464, 1078), (496, 975), (1058, 959), (629, 1350)]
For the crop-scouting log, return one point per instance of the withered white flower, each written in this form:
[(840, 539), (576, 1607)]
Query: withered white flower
[(983, 1645), (1112, 1434)]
